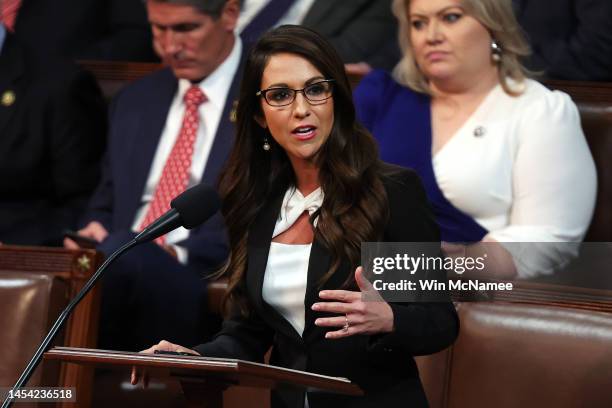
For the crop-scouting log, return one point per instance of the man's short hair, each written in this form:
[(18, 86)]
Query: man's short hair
[(211, 7)]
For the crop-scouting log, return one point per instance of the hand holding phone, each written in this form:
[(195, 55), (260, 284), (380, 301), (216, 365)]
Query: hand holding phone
[(81, 240)]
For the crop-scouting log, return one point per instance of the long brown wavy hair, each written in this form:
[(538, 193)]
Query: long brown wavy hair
[(355, 206)]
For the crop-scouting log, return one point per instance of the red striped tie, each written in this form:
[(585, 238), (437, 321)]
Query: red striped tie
[(8, 13), (175, 174)]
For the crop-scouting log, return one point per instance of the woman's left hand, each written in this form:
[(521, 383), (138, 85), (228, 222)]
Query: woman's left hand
[(363, 312)]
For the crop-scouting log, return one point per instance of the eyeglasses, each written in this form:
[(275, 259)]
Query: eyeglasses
[(314, 93)]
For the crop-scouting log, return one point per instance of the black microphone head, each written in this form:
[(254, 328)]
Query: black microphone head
[(196, 205)]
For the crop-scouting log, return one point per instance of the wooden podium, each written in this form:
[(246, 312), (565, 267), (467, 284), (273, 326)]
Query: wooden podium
[(203, 379)]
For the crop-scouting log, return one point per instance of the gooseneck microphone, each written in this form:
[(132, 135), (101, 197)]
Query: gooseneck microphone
[(189, 209)]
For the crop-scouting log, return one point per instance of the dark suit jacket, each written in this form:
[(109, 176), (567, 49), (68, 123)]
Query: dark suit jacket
[(86, 29), (52, 139), (382, 365), (572, 40), (137, 119), (361, 30)]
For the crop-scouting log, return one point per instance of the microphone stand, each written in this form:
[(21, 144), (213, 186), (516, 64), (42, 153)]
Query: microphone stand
[(27, 373)]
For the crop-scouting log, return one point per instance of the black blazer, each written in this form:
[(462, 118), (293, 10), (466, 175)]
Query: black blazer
[(52, 139), (382, 365), (360, 30)]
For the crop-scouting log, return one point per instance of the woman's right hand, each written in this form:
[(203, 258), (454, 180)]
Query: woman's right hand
[(140, 374)]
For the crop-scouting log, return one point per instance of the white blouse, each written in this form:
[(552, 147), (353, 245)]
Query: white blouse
[(522, 168), (284, 286), (286, 274)]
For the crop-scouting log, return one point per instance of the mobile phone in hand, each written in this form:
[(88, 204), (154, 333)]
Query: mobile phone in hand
[(82, 241)]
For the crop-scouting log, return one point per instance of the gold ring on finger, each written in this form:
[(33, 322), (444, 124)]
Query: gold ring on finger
[(346, 324)]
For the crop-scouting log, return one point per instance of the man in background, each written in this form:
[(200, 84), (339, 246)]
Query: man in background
[(362, 31), (52, 127), (168, 131)]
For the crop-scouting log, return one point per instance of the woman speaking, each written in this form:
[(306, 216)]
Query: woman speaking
[(302, 189)]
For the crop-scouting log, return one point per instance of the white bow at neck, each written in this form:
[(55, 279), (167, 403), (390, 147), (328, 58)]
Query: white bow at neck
[(294, 204)]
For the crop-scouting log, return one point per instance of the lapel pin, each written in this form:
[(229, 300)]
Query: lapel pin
[(232, 115), (8, 98), (480, 131)]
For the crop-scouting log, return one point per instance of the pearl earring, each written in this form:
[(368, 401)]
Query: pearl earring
[(496, 51), (266, 146)]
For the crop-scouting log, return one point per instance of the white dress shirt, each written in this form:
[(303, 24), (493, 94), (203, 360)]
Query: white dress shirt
[(521, 167), (216, 88), (295, 15)]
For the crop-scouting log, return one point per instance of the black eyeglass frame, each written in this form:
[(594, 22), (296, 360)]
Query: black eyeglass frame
[(263, 93)]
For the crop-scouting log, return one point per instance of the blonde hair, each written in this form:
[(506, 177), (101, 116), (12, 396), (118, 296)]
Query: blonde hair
[(496, 16)]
